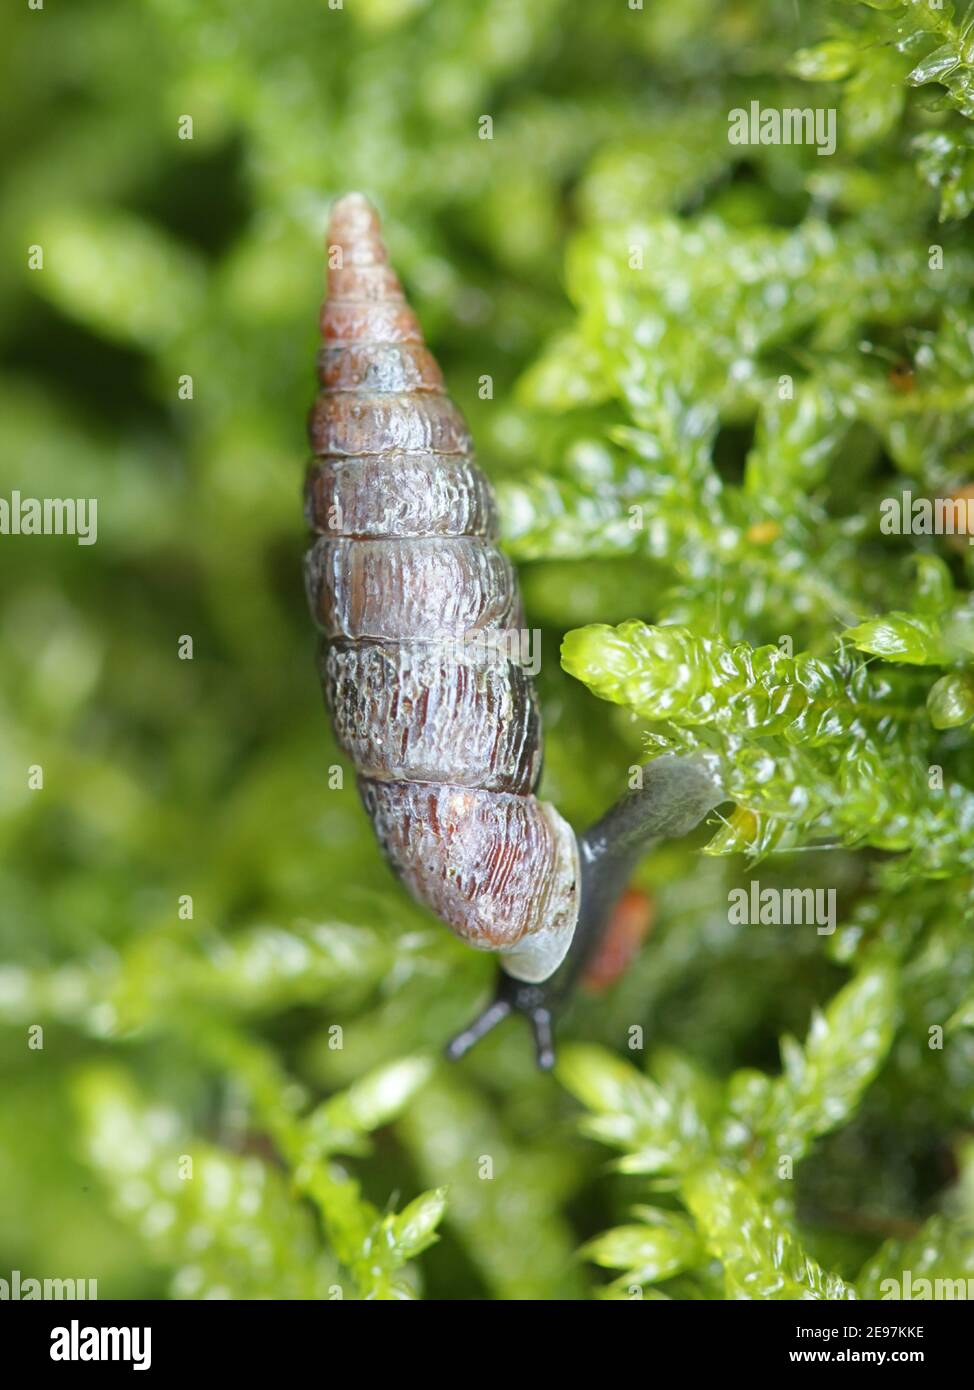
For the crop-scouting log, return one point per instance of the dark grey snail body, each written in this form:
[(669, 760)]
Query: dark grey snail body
[(416, 600), (675, 796)]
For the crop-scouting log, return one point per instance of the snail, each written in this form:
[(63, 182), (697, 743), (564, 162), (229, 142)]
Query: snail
[(417, 606)]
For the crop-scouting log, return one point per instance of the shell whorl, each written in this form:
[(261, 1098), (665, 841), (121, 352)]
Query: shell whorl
[(403, 578)]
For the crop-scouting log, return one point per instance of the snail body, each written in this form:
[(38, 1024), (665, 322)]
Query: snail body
[(418, 606)]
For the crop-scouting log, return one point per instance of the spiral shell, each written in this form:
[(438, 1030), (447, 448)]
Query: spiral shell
[(407, 584)]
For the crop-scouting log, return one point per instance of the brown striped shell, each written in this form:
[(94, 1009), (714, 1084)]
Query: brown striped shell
[(403, 578)]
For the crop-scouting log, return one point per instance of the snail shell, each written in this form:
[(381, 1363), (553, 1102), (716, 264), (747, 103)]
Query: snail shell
[(416, 602)]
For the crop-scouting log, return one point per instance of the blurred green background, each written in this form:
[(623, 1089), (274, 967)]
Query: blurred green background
[(213, 1036)]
